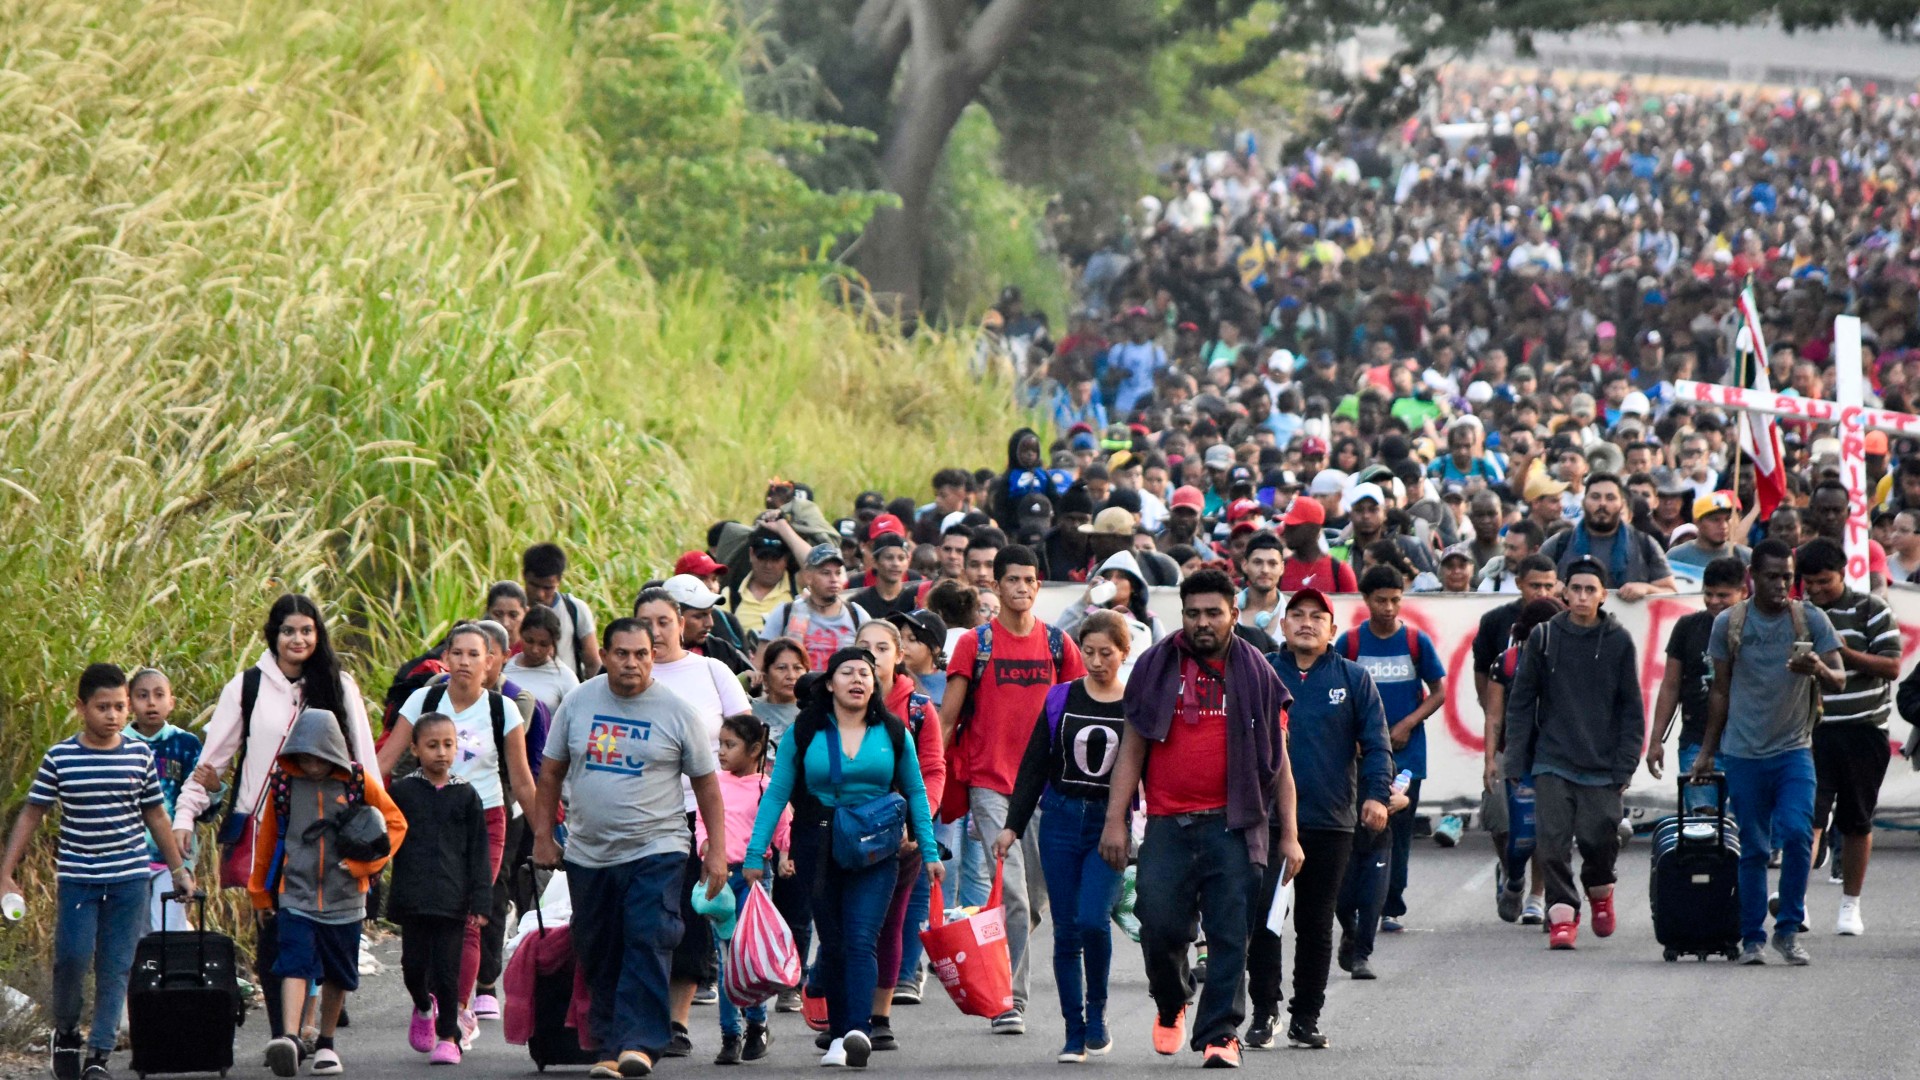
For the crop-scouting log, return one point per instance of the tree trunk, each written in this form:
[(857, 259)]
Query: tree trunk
[(945, 68)]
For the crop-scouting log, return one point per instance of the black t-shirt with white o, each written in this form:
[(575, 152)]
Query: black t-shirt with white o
[(1076, 762)]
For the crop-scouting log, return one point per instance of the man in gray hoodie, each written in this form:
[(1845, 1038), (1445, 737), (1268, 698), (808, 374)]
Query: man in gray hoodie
[(1575, 723)]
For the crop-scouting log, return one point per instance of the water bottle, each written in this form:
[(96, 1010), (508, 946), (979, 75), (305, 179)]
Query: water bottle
[(13, 906), (1403, 781)]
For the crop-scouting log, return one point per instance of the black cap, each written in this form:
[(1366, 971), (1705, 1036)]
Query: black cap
[(924, 625), (889, 540)]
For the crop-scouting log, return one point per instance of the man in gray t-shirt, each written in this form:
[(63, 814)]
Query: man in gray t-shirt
[(1760, 721), (619, 745)]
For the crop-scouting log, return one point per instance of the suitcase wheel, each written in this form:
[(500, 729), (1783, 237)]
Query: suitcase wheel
[(1670, 956)]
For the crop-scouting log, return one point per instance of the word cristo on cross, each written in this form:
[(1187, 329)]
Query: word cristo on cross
[(1850, 414)]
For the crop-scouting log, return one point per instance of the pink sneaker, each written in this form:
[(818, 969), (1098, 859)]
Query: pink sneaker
[(469, 1029), (420, 1031), (445, 1052), (486, 1007)]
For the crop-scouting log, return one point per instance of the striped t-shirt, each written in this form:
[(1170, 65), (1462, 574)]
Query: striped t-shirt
[(102, 795), (1863, 623)]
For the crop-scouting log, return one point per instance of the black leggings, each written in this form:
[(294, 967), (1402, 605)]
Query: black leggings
[(430, 964)]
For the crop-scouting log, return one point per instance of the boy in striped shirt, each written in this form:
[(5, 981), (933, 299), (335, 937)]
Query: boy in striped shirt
[(1850, 747), (110, 802)]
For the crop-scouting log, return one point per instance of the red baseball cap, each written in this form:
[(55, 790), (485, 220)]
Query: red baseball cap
[(1242, 508), (699, 564), (1313, 446), (1304, 511), (1188, 497), (1315, 595), (883, 524)]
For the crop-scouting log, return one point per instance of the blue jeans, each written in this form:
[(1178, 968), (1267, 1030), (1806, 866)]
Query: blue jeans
[(911, 951), (626, 921), (1083, 890), (1699, 797), (968, 866), (1401, 826), (97, 928), (1773, 800), (847, 916), (1194, 865), (729, 1012)]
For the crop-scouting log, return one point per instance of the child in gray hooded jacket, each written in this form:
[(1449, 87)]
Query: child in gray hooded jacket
[(300, 869)]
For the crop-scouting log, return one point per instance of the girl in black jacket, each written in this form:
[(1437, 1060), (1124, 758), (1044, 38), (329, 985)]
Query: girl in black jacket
[(441, 882)]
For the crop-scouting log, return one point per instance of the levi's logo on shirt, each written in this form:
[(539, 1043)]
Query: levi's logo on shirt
[(1023, 672)]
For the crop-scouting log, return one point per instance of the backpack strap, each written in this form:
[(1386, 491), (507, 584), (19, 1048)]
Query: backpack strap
[(1349, 645), (249, 697), (431, 703), (573, 617), (1797, 610), (1056, 708), (497, 703), (982, 653), (1056, 648), (1413, 650)]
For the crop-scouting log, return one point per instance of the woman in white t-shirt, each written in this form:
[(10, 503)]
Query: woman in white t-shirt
[(472, 708), (536, 668)]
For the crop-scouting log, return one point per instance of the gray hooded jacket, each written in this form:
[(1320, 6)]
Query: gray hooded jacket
[(306, 875)]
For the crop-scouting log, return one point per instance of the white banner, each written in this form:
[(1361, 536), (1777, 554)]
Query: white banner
[(1454, 745)]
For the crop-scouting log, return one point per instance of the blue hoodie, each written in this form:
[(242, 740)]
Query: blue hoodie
[(1336, 739)]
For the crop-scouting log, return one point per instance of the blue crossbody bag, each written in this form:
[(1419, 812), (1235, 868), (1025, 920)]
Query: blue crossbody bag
[(868, 833)]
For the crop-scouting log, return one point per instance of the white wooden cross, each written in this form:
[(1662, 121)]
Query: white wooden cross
[(1850, 413)]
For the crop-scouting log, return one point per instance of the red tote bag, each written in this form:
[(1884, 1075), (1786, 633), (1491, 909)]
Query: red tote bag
[(970, 956)]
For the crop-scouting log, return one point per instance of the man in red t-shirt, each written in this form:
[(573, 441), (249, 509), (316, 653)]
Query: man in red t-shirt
[(987, 727), (1309, 566), (1204, 738)]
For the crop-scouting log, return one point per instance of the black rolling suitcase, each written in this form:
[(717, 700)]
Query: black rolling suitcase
[(1695, 882), (183, 1001)]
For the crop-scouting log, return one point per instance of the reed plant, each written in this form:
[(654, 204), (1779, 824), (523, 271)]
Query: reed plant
[(324, 300)]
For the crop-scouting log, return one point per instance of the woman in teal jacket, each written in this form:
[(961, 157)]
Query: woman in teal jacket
[(843, 714)]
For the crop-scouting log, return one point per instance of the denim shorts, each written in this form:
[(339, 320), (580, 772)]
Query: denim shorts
[(318, 952)]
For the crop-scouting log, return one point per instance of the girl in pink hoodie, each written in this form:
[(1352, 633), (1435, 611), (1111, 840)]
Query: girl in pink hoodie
[(743, 780)]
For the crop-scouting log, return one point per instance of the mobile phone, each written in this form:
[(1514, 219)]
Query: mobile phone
[(1803, 648)]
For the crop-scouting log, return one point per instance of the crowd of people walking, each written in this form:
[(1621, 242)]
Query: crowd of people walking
[(1439, 360)]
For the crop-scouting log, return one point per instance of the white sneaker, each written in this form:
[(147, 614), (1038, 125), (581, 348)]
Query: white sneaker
[(1850, 924), (836, 1055)]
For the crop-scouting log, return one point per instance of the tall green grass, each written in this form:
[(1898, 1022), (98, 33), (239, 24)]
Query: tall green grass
[(321, 299)]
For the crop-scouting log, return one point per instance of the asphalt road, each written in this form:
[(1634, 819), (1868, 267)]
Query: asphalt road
[(1460, 994)]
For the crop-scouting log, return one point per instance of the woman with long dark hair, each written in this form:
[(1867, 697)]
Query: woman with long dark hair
[(849, 755), (298, 671)]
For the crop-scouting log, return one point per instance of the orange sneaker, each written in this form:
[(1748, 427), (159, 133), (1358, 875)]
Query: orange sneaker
[(1603, 919), (1223, 1054), (1169, 1038)]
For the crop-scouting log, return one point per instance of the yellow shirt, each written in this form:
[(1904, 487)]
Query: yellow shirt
[(753, 613)]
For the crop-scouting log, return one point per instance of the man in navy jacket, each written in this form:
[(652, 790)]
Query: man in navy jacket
[(1338, 746)]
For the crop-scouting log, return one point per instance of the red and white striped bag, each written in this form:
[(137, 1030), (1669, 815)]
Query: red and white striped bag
[(762, 960)]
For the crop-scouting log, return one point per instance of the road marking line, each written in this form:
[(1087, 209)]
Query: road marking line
[(1480, 880)]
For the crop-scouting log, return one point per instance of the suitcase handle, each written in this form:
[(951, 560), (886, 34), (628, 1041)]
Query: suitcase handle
[(1716, 780), (539, 918), (200, 938)]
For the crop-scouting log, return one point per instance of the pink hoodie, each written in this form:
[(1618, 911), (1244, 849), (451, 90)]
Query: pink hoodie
[(740, 795)]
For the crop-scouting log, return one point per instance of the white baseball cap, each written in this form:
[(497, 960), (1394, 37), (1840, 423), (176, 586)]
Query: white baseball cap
[(1368, 490), (688, 591)]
